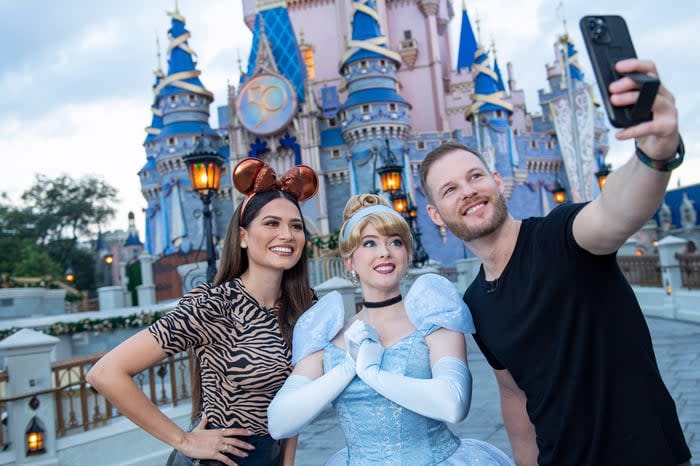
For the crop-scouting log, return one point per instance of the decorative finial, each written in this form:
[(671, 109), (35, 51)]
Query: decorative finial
[(493, 47), (301, 37), (177, 8), (464, 4), (158, 52), (240, 62), (478, 28), (562, 16)]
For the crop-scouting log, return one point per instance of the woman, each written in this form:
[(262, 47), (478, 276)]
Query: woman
[(239, 328), (396, 373)]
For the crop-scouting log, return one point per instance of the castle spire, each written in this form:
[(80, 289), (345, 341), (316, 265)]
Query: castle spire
[(182, 72), (487, 93), (496, 68), (273, 26), (156, 125), (467, 42), (367, 40)]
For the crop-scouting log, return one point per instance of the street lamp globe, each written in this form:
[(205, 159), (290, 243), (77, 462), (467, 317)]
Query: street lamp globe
[(558, 192), (204, 165)]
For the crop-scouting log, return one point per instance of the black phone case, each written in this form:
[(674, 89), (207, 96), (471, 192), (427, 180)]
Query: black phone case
[(608, 41)]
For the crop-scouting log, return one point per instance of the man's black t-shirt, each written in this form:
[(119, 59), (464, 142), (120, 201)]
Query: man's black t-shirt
[(567, 326)]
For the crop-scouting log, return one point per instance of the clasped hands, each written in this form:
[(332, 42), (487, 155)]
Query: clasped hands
[(363, 348)]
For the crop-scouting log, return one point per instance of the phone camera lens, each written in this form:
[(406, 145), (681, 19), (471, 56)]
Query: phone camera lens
[(597, 27)]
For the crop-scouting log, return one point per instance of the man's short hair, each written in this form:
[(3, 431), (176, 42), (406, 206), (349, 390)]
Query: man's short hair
[(438, 153)]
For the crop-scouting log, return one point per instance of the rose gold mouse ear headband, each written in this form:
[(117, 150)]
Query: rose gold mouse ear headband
[(252, 176)]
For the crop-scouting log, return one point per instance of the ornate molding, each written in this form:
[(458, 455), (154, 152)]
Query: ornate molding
[(428, 7), (542, 165)]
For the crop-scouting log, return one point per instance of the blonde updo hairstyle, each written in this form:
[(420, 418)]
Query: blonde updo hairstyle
[(386, 224)]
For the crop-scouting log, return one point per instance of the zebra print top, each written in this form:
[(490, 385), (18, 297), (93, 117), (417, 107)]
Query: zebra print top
[(243, 357)]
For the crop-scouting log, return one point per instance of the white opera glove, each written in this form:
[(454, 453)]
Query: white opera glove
[(445, 397), (301, 399)]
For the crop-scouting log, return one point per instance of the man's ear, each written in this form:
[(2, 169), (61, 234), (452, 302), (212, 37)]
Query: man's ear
[(499, 182), (434, 215)]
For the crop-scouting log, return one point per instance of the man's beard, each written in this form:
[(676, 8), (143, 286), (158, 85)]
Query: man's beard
[(466, 233)]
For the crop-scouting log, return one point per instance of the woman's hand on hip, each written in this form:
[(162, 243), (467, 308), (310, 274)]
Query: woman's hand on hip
[(203, 443)]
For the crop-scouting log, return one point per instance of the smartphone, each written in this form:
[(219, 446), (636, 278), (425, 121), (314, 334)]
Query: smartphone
[(608, 41)]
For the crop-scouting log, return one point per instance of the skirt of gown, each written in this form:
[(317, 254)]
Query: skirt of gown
[(469, 453)]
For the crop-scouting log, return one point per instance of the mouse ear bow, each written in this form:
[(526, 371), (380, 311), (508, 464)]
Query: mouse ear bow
[(252, 176), (300, 181)]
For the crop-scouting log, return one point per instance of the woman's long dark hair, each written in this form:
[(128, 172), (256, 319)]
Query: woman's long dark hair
[(297, 295)]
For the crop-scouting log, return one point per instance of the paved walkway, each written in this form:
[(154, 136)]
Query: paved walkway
[(677, 347)]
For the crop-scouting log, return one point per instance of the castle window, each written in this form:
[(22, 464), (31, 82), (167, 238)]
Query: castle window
[(533, 144), (171, 99), (191, 97), (307, 54), (516, 131), (363, 64), (392, 107), (335, 153), (550, 144), (343, 115), (382, 63), (366, 108), (407, 34), (171, 141), (499, 114), (332, 122), (420, 145)]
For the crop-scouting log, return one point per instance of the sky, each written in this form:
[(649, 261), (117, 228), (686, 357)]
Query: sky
[(76, 75)]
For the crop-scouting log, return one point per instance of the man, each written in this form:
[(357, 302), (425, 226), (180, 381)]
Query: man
[(555, 317)]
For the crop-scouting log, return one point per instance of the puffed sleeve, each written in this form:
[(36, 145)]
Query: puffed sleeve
[(433, 301), (317, 326)]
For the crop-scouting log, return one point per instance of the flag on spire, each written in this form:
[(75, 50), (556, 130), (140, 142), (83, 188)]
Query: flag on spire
[(501, 84), (467, 42), (575, 70)]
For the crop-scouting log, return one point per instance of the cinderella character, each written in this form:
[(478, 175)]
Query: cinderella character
[(396, 372)]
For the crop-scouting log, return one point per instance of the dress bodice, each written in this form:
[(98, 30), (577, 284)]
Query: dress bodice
[(406, 437)]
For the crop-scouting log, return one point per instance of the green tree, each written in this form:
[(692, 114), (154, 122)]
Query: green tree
[(42, 236)]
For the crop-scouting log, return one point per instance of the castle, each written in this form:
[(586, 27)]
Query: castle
[(349, 86)]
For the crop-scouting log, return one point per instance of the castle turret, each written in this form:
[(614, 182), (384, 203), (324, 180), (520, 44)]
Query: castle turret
[(180, 117), (374, 113)]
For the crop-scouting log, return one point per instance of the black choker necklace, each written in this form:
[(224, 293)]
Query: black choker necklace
[(388, 302)]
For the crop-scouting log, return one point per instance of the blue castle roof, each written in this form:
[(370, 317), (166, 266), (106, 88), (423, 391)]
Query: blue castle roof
[(277, 27), (367, 38), (575, 70), (157, 117), (467, 43), (674, 198), (366, 96), (187, 127), (182, 72), (486, 86)]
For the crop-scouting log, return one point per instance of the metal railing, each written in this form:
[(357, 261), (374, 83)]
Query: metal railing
[(690, 270), (641, 270), (79, 407), (323, 268)]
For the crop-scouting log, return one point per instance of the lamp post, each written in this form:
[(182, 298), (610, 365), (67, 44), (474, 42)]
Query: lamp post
[(558, 192), (389, 172), (420, 257), (390, 175), (204, 167), (602, 175)]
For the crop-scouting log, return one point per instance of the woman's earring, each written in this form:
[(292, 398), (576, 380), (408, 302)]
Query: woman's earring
[(352, 277)]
